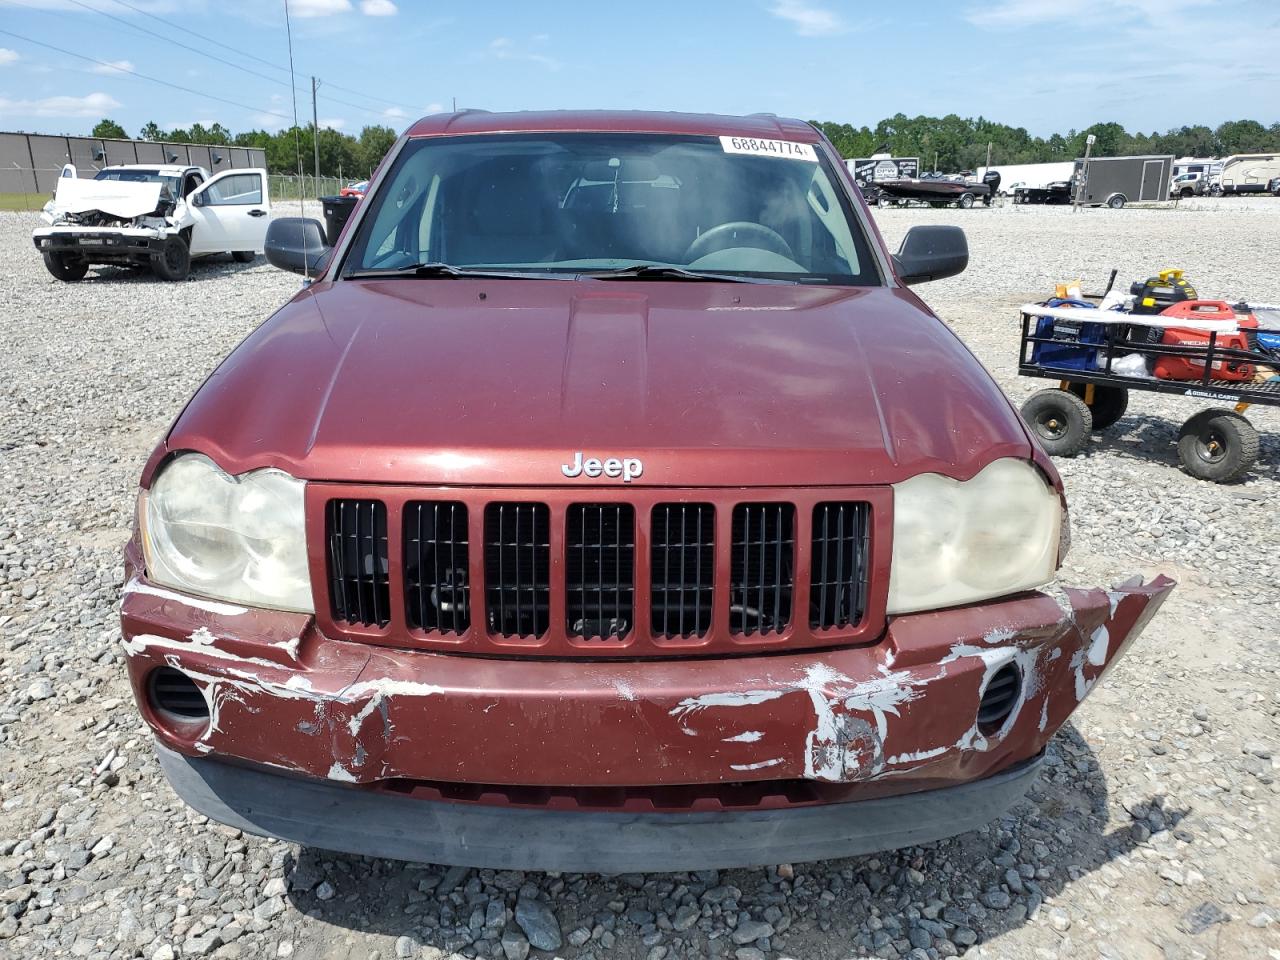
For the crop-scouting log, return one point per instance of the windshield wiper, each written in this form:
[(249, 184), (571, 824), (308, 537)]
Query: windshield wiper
[(654, 271), (449, 272)]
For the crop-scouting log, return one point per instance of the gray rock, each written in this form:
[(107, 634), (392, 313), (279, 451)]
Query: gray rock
[(514, 944), (749, 931), (539, 923)]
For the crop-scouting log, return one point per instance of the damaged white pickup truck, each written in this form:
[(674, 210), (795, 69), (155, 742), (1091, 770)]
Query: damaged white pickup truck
[(153, 216)]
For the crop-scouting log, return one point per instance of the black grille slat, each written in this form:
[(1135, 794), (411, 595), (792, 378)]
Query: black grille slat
[(359, 585), (998, 699), (600, 570), (682, 569), (838, 565), (762, 575), (436, 558), (517, 568)]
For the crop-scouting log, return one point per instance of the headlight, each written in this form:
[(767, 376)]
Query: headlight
[(957, 542), (231, 538)]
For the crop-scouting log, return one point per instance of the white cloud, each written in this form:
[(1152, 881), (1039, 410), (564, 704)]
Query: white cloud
[(7, 56), (809, 19), (318, 8), (332, 123), (1012, 14), (378, 8), (395, 113), (90, 105), (431, 108), (504, 48), (112, 67)]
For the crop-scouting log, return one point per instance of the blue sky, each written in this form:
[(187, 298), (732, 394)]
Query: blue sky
[(1044, 64)]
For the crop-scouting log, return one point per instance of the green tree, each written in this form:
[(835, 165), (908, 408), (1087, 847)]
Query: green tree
[(109, 129), (152, 131), (373, 145), (1243, 136)]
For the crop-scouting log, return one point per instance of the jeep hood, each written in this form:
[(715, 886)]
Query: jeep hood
[(503, 381)]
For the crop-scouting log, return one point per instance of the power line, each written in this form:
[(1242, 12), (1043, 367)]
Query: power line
[(183, 27), (177, 43), (143, 76), (208, 39)]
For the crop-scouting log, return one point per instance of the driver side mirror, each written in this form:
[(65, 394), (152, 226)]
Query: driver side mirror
[(297, 244), (931, 253), (198, 199)]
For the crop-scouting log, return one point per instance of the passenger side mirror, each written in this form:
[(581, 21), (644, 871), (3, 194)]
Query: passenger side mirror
[(297, 244), (931, 253), (197, 199)]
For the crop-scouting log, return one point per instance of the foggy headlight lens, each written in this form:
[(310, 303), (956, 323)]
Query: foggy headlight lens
[(230, 538), (957, 542)]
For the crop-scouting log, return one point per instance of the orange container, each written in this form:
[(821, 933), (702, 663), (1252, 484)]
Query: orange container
[(1192, 368)]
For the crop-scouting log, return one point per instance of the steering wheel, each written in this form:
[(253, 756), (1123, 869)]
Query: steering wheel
[(739, 233)]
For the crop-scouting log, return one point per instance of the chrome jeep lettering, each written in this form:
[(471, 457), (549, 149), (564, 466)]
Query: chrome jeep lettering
[(627, 469)]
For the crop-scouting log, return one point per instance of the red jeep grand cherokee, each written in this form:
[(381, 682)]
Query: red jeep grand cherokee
[(607, 502)]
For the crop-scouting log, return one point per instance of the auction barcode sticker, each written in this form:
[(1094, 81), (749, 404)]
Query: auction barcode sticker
[(769, 148)]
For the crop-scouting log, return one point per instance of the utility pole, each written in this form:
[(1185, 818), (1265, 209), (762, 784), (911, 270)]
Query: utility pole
[(1083, 179), (315, 133), (988, 170), (455, 104)]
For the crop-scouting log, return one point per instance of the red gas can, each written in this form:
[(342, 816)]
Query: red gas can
[(1192, 368)]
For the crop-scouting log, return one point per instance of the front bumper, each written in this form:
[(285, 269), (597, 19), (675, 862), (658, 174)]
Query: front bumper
[(93, 243), (328, 816), (885, 720)]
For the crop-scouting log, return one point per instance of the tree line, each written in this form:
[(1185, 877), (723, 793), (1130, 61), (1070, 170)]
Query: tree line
[(341, 154), (949, 143)]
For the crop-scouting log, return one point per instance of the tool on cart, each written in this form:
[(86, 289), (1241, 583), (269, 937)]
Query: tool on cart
[(1206, 349)]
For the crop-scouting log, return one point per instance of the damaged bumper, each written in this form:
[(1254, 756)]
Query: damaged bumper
[(97, 243), (303, 731)]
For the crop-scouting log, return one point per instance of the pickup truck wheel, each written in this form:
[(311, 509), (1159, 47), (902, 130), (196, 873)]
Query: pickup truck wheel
[(1217, 445), (173, 262), (966, 200), (244, 256), (1060, 420), (66, 268), (1109, 403)]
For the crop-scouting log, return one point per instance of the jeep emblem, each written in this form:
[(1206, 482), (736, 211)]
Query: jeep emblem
[(628, 469)]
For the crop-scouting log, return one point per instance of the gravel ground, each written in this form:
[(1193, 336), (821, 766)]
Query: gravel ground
[(1153, 833)]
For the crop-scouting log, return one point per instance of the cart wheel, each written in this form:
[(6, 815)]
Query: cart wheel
[(1109, 403), (1218, 445), (1060, 420)]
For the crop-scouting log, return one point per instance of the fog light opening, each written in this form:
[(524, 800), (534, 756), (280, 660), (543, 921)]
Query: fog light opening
[(175, 697), (999, 699)]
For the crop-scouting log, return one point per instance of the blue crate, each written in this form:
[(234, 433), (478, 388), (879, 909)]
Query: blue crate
[(1076, 342)]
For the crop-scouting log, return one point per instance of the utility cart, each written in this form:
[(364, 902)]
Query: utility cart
[(1204, 350)]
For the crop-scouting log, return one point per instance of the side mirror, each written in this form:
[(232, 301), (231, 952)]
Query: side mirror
[(931, 253), (198, 199), (297, 244)]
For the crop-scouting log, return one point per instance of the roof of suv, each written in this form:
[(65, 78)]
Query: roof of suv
[(637, 121)]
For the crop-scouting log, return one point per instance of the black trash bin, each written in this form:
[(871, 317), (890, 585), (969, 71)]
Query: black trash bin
[(337, 211)]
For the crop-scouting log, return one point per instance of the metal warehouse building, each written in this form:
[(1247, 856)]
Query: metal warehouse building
[(30, 162)]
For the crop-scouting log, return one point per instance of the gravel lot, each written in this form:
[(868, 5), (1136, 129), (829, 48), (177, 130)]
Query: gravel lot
[(1154, 833)]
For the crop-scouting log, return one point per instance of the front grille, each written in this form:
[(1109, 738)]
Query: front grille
[(838, 572), (436, 558), (599, 558), (517, 568), (359, 589), (761, 576), (682, 569), (634, 572)]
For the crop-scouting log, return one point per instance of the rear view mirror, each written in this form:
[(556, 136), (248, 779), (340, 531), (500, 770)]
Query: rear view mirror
[(931, 253), (297, 244)]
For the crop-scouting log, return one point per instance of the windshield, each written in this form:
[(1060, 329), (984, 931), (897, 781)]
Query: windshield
[(574, 203), (140, 176)]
